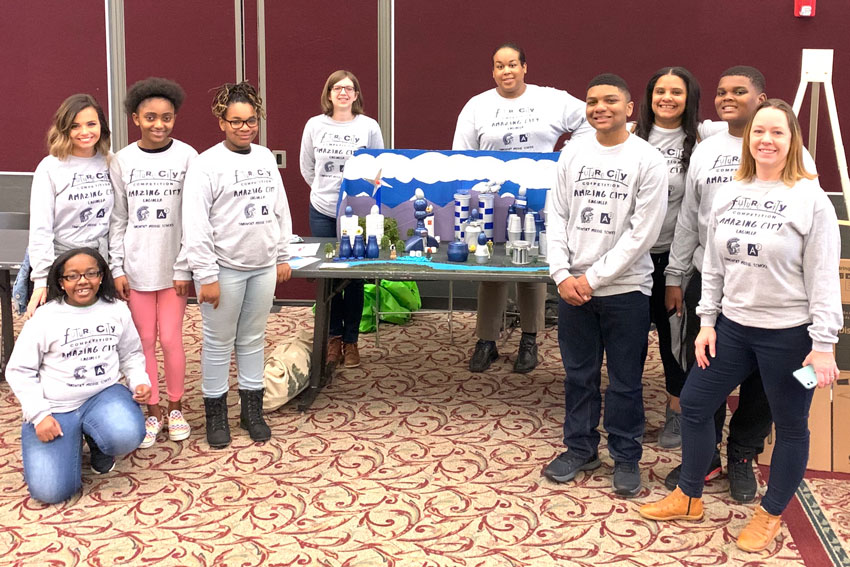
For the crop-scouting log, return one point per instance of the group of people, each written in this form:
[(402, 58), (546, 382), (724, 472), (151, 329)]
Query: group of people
[(665, 216)]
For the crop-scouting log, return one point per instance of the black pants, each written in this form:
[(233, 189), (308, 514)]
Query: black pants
[(674, 375), (750, 423)]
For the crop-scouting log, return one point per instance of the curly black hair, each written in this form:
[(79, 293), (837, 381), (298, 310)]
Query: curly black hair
[(154, 87)]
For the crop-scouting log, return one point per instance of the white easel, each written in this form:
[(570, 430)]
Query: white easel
[(816, 69)]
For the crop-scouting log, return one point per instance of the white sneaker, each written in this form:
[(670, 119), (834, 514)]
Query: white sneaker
[(178, 428), (152, 428)]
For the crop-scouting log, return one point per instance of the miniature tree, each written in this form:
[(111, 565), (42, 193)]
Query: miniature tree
[(329, 250)]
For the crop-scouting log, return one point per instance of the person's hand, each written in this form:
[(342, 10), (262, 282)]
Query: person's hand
[(583, 287), (209, 293), (122, 288), (707, 338), (182, 287), (48, 429), (569, 292), (825, 368), (142, 393), (284, 272), (39, 296), (673, 299)]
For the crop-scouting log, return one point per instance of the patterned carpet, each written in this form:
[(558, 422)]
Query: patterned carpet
[(409, 460)]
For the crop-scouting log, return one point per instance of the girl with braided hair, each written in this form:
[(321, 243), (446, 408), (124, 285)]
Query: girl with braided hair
[(237, 229)]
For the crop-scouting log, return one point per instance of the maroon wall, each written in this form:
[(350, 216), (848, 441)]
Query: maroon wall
[(443, 50), (48, 51)]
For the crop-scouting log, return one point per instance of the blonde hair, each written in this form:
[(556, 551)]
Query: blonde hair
[(229, 93), (337, 76), (794, 169), (59, 143)]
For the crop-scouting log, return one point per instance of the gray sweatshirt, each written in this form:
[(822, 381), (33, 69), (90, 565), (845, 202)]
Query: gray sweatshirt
[(605, 213), (235, 212), (772, 259), (671, 144), (532, 122), (70, 204), (146, 226), (713, 164), (325, 146), (65, 355)]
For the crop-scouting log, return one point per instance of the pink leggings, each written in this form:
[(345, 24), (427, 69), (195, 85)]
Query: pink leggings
[(163, 309)]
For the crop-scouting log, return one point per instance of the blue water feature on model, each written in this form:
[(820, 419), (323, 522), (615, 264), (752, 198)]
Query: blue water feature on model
[(422, 260)]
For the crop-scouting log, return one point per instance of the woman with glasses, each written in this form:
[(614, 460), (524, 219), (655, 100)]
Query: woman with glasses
[(145, 234), (71, 196), (237, 229), (329, 140), (65, 372), (519, 117)]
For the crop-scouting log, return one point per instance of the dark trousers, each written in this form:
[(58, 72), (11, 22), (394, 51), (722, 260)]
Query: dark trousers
[(346, 306), (616, 325), (750, 422), (740, 350), (674, 375)]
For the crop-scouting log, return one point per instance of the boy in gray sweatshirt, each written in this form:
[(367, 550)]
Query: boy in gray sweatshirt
[(604, 214)]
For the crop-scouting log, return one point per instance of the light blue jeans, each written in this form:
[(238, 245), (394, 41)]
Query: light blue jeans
[(243, 311), (53, 470)]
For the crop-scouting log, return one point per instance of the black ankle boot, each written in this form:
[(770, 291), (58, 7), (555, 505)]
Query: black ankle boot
[(251, 417), (526, 358), (218, 430), (485, 353)]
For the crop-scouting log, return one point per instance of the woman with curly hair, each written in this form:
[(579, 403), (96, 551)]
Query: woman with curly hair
[(146, 255), (237, 229)]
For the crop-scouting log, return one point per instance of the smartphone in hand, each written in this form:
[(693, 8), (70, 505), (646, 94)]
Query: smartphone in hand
[(806, 376)]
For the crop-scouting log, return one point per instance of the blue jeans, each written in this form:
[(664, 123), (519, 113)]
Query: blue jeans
[(617, 325), (240, 319), (52, 470), (776, 353), (346, 306)]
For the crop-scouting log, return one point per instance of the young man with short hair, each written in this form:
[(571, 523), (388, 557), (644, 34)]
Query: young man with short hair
[(603, 216)]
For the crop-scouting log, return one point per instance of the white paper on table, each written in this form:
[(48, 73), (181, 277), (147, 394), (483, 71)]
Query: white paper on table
[(304, 249), (333, 265)]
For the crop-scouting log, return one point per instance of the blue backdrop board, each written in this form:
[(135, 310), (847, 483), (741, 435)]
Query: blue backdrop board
[(441, 174)]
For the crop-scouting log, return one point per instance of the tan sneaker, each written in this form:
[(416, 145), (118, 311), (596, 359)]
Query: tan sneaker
[(675, 506), (352, 355), (760, 532), (334, 350)]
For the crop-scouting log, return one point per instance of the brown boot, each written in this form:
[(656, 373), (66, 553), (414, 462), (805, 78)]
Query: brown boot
[(334, 350), (760, 532), (352, 356), (675, 506)]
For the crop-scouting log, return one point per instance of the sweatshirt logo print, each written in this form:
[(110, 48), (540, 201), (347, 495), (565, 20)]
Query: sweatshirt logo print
[(587, 215), (592, 173), (726, 161), (142, 213), (86, 178), (249, 210), (507, 138), (80, 373), (753, 249), (733, 245)]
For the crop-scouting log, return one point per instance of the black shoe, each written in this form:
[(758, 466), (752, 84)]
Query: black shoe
[(526, 358), (626, 479), (566, 466), (101, 463), (251, 417), (714, 470), (485, 353), (218, 430), (742, 480)]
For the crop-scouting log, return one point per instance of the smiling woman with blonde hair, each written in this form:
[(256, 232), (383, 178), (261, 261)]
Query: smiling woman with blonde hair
[(773, 225)]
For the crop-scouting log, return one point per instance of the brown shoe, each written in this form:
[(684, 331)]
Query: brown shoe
[(334, 350), (352, 356), (675, 506), (760, 532)]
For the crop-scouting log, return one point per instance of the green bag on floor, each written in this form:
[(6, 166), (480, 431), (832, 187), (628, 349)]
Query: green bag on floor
[(397, 301)]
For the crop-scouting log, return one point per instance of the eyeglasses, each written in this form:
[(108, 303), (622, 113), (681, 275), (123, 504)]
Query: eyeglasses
[(238, 122), (75, 277), (338, 89)]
